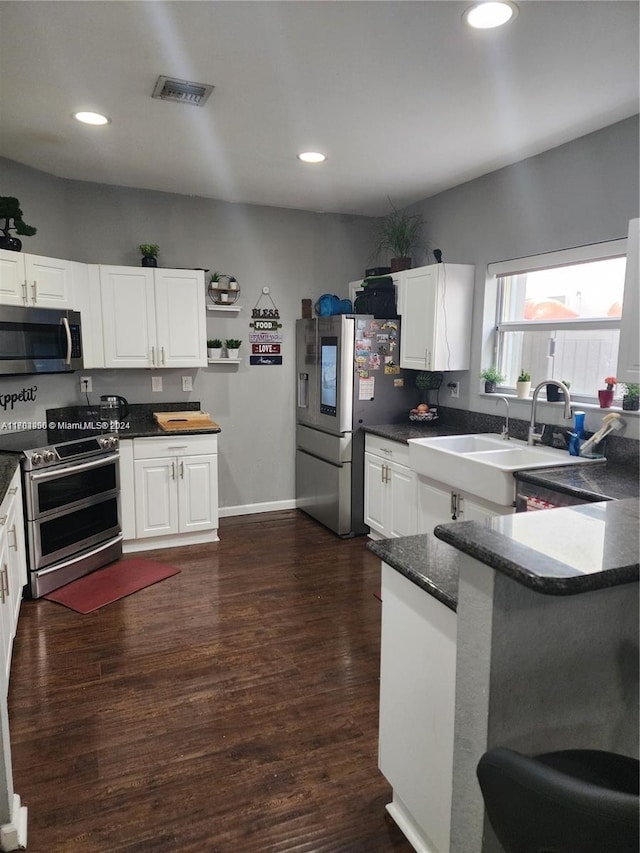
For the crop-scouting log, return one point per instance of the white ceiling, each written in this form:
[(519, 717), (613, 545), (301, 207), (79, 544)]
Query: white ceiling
[(403, 98)]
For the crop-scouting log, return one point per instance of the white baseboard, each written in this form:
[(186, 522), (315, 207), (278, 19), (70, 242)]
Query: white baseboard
[(131, 546), (250, 509), (13, 836)]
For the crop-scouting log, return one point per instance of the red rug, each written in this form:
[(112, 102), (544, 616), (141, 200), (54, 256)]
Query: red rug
[(111, 583)]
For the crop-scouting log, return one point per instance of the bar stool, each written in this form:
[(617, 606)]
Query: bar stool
[(573, 801)]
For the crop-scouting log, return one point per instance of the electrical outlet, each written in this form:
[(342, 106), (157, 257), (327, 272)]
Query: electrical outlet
[(156, 383), (86, 384), (187, 383), (454, 387)]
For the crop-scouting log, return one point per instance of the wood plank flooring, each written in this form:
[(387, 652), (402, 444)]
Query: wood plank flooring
[(229, 709)]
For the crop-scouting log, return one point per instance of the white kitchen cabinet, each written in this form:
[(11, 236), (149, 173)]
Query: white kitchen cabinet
[(86, 300), (35, 280), (441, 504), (390, 502), (417, 710), (13, 568), (435, 303), (629, 351), (153, 317), (174, 482)]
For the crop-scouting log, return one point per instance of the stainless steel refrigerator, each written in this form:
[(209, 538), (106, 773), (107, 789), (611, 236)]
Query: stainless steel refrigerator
[(348, 376)]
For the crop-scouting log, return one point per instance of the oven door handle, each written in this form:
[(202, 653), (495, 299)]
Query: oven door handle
[(67, 331), (74, 469), (101, 547)]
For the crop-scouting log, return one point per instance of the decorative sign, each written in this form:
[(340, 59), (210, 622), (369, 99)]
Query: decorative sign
[(266, 325), (265, 359), (27, 395), (265, 337), (265, 349)]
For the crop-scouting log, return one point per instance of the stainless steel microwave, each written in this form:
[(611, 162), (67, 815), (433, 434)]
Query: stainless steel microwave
[(39, 340)]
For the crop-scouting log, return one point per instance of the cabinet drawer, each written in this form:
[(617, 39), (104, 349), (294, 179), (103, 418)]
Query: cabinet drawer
[(392, 451), (177, 445)]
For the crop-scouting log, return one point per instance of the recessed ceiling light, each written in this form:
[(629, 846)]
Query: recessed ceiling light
[(484, 16), (312, 157), (91, 118)]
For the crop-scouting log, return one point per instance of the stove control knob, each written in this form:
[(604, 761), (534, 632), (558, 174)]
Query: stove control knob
[(50, 456), (36, 459)]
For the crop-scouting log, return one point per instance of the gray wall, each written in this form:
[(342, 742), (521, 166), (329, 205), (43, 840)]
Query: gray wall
[(582, 192)]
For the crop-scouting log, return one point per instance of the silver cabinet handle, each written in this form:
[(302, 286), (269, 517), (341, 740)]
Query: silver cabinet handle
[(173, 470), (454, 506), (181, 470), (4, 583), (34, 288), (13, 490), (3, 519), (12, 530), (25, 291), (153, 356), (162, 353)]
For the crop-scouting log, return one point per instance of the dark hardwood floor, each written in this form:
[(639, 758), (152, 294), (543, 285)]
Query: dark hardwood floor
[(231, 708)]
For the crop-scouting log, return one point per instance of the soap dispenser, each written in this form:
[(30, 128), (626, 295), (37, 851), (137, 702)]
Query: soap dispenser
[(576, 437)]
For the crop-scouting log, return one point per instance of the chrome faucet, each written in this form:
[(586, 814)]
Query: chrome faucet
[(505, 428), (536, 437)]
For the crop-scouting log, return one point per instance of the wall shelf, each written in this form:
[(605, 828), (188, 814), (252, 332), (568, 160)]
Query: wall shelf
[(224, 360), (224, 309)]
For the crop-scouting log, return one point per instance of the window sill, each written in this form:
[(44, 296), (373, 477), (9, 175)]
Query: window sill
[(575, 404)]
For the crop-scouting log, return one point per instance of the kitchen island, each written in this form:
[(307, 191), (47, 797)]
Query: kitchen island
[(530, 642)]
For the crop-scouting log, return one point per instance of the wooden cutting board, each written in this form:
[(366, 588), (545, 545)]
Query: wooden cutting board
[(184, 421)]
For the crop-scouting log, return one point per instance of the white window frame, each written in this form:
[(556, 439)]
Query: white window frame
[(564, 257)]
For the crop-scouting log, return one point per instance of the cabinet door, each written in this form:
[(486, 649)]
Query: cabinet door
[(180, 318), (49, 282), (418, 292), (375, 493), (628, 353), (128, 317), (474, 509), (434, 505), (13, 284), (6, 619), (16, 552), (156, 497), (402, 514), (197, 493), (86, 300)]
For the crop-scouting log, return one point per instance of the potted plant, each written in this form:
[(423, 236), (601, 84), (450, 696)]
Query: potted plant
[(149, 254), (10, 212), (523, 384), (232, 345), (605, 396), (631, 398), (554, 394), (492, 377), (214, 348), (398, 234)]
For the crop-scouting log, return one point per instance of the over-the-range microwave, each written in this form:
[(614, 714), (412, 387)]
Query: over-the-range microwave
[(39, 340)]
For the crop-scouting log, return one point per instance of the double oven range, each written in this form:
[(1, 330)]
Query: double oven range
[(71, 491)]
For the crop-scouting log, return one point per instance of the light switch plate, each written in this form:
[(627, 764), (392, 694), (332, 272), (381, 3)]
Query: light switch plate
[(156, 383), (187, 383)]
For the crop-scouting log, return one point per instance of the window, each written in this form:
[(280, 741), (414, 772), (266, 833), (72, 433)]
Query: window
[(558, 316)]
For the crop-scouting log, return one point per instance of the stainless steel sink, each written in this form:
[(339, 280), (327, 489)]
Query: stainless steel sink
[(483, 464)]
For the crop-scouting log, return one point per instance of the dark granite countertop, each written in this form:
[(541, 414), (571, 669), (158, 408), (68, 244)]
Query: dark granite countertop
[(559, 551), (139, 423), (8, 465), (429, 563), (606, 481), (411, 429)]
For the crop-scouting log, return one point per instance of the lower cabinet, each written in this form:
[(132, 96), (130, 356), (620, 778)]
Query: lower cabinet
[(390, 496), (417, 710), (441, 504), (13, 570), (169, 491)]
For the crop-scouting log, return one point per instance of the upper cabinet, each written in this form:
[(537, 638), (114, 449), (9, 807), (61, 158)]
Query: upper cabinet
[(629, 351), (435, 303), (35, 280), (153, 317)]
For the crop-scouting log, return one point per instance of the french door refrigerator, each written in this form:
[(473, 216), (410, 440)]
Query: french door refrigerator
[(347, 377)]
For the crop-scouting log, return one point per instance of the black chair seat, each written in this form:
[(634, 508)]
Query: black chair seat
[(572, 801)]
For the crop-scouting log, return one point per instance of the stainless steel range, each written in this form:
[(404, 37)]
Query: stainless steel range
[(71, 490)]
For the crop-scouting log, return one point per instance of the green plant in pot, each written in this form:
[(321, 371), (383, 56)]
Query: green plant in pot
[(523, 384), (631, 398), (214, 348), (149, 253), (554, 394), (398, 234), (10, 212), (232, 345), (492, 377)]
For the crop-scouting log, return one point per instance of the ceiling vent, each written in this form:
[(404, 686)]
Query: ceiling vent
[(182, 91)]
